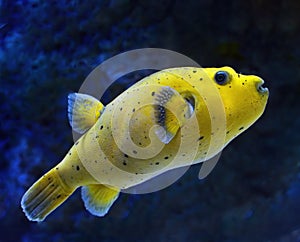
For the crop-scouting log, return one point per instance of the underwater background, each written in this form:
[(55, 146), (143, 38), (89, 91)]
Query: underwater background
[(47, 48)]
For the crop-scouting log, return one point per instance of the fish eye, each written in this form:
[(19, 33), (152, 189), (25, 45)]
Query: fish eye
[(221, 77)]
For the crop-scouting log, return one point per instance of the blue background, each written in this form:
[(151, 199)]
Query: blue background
[(47, 48)]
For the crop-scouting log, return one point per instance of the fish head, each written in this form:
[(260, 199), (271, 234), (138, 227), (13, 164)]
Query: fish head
[(244, 98)]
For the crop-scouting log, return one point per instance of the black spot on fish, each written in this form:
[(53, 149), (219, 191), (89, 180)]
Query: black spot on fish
[(58, 196), (153, 93), (121, 109), (96, 161), (243, 83), (156, 163), (126, 155), (166, 157), (200, 138), (77, 168), (201, 79), (241, 128), (124, 163), (229, 86), (57, 168), (133, 110), (228, 132), (194, 71), (101, 127), (134, 152), (70, 153), (239, 75), (77, 143)]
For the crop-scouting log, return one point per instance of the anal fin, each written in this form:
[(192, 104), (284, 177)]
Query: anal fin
[(99, 198)]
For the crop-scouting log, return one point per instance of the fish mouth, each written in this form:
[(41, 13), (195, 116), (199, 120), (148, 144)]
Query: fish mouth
[(260, 88)]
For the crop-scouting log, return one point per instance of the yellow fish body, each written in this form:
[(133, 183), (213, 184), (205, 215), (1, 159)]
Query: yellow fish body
[(170, 119)]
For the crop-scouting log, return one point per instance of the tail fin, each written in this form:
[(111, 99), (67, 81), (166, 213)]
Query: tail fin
[(44, 196)]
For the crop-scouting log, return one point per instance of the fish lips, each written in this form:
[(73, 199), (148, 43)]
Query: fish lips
[(260, 88)]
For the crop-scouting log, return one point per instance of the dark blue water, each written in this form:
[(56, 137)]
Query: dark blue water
[(47, 48)]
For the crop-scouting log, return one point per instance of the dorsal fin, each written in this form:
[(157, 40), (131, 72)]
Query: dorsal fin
[(83, 111)]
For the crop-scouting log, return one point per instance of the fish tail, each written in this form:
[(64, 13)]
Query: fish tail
[(45, 195)]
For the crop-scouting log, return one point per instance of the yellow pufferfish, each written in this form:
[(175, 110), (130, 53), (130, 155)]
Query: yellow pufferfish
[(140, 134)]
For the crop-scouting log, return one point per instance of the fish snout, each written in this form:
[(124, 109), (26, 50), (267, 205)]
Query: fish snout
[(260, 88)]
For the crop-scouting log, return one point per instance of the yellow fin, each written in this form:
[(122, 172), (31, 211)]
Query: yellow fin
[(98, 198), (171, 112), (44, 196), (83, 111)]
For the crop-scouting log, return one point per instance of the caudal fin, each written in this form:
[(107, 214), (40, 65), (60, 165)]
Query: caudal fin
[(44, 196)]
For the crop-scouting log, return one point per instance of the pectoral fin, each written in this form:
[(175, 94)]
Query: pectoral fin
[(208, 166), (171, 112), (83, 111), (98, 198)]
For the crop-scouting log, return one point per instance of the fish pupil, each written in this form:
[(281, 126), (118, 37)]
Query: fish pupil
[(221, 77)]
